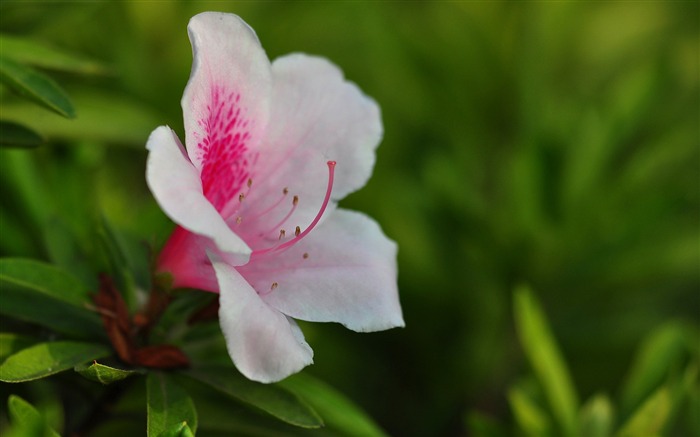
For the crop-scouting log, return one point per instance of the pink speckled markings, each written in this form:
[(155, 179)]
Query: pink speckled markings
[(271, 148)]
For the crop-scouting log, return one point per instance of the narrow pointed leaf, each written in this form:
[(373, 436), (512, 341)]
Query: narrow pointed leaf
[(119, 265), (38, 54), (168, 407), (26, 420), (271, 399), (546, 360), (530, 418), (597, 417), (45, 359), (103, 374), (45, 279), (338, 412), (36, 86), (650, 417), (659, 353), (17, 135)]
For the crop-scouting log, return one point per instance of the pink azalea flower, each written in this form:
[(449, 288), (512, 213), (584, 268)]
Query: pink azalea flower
[(271, 148)]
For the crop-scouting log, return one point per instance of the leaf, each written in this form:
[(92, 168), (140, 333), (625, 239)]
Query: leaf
[(104, 117), (11, 343), (168, 407), (178, 430), (36, 86), (29, 52), (45, 359), (546, 360), (658, 353), (271, 399), (119, 265), (17, 135), (337, 410), (103, 374), (45, 279), (528, 415), (57, 315), (651, 417), (27, 420), (597, 418)]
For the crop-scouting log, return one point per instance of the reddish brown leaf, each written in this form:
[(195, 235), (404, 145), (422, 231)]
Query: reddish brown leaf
[(162, 356)]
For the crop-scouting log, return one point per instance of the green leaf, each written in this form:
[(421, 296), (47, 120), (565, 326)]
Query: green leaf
[(338, 411), (36, 86), (178, 430), (271, 399), (45, 359), (26, 419), (126, 121), (659, 352), (168, 407), (17, 135), (651, 417), (11, 343), (29, 52), (546, 360), (45, 279), (597, 418), (103, 374), (57, 315), (119, 265), (530, 418)]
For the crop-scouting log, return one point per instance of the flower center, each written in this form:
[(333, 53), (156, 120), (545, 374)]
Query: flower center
[(298, 233)]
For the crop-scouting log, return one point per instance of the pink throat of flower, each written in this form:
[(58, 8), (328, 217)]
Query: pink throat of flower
[(299, 235)]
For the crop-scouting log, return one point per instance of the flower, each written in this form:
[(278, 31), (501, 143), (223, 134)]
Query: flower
[(271, 148)]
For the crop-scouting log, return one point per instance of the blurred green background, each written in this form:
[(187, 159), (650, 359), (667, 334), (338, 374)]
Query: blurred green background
[(555, 144)]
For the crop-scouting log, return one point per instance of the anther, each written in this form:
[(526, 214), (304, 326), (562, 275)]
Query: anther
[(305, 255), (273, 286), (239, 219), (249, 183), (282, 232), (241, 197), (297, 231), (295, 201), (285, 191)]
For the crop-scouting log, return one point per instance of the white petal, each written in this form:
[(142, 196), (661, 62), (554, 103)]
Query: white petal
[(263, 343), (316, 116), (226, 103), (176, 186), (348, 277)]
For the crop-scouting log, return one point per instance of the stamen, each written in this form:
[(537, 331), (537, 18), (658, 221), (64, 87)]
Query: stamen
[(314, 222), (239, 220), (297, 231), (305, 255), (285, 191), (295, 202), (282, 232), (241, 197), (273, 286)]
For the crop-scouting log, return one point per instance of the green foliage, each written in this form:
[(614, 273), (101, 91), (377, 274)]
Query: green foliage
[(552, 144), (46, 359), (26, 420), (171, 412), (36, 86)]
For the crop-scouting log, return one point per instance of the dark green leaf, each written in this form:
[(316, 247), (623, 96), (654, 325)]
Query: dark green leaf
[(271, 399), (11, 343), (45, 279), (29, 52), (597, 418), (16, 135), (121, 271), (46, 359), (168, 406), (546, 360), (338, 411), (36, 86), (103, 374), (651, 416), (57, 315), (26, 419)]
